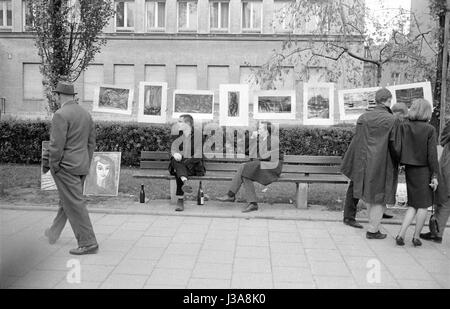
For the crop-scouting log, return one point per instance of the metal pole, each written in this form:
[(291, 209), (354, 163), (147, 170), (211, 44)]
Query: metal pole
[(445, 69)]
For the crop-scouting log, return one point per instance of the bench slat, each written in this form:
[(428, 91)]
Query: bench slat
[(228, 176), (312, 159), (232, 167), (155, 155)]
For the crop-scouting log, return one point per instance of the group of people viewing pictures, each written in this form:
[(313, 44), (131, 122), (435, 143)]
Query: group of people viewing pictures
[(384, 141)]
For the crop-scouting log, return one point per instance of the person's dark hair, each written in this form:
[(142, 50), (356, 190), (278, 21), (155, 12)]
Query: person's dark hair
[(188, 119)]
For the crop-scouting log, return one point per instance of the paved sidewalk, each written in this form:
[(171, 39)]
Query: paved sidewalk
[(159, 251)]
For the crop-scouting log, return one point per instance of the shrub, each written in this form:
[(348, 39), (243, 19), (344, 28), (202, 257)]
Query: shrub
[(21, 140)]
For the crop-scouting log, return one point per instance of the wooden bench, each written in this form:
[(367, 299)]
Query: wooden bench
[(301, 170)]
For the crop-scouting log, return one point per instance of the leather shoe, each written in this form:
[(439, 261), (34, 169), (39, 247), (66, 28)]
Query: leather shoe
[(92, 249), (226, 198), (250, 207), (386, 216), (180, 205), (186, 188), (430, 236), (399, 241), (376, 235), (51, 240), (353, 223)]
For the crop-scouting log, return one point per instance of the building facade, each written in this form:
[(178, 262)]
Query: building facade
[(190, 44)]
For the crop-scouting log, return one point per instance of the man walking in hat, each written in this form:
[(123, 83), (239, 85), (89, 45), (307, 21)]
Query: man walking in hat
[(72, 143), (370, 163)]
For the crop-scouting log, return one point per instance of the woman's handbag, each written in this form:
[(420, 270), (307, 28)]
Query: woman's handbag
[(433, 224)]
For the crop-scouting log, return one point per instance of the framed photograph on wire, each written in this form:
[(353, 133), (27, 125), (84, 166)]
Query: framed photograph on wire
[(233, 104), (198, 103), (318, 104), (274, 104), (152, 102), (113, 99)]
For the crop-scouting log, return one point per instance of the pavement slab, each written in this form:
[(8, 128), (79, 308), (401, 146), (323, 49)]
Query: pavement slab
[(202, 250)]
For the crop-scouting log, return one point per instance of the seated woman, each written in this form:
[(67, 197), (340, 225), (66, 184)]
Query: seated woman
[(184, 163), (258, 169)]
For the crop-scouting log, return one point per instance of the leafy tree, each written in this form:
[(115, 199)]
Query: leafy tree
[(342, 34), (67, 35)]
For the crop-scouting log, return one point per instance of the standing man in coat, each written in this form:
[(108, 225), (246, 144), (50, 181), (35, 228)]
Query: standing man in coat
[(72, 143), (370, 161)]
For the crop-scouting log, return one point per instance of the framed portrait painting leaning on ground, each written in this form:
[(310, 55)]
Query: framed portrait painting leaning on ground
[(233, 104), (152, 102), (103, 178), (47, 181), (113, 99)]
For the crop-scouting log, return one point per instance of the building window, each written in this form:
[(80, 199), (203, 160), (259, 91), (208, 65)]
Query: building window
[(5, 14), (155, 15), (252, 16), (27, 16), (32, 82), (155, 73), (124, 16), (217, 75), (124, 75), (282, 17), (187, 77), (287, 79), (93, 77), (317, 74), (187, 15), (219, 15)]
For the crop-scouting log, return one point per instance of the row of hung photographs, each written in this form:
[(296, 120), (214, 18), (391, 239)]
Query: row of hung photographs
[(318, 108)]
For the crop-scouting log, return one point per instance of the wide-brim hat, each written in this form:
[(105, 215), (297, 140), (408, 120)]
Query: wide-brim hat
[(65, 88)]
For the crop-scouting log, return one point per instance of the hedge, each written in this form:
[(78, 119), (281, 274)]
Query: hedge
[(20, 140)]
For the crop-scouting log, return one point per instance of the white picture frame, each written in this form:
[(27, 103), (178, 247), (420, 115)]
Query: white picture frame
[(273, 101), (312, 90), (145, 112), (182, 98), (106, 96), (426, 91), (103, 180), (352, 113), (236, 115)]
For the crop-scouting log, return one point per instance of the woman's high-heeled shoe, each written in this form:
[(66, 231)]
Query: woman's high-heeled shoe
[(416, 242), (399, 240)]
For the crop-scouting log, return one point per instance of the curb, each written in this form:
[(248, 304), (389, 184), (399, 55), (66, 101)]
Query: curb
[(195, 214)]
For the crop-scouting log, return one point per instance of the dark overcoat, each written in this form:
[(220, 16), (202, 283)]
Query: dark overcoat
[(370, 161), (443, 190), (263, 169), (194, 162)]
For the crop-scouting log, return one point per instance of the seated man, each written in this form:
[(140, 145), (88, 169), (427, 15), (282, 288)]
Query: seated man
[(261, 169), (184, 163)]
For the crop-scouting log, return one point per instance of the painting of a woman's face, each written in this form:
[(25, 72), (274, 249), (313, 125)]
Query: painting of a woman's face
[(103, 170)]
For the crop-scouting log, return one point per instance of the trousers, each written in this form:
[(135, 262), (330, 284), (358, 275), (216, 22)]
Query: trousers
[(375, 212), (249, 187), (442, 215), (72, 207), (351, 203)]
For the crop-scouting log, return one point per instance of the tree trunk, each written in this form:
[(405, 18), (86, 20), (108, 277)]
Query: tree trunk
[(438, 85), (379, 74)]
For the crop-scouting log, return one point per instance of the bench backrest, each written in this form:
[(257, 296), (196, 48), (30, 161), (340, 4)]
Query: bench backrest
[(157, 160)]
